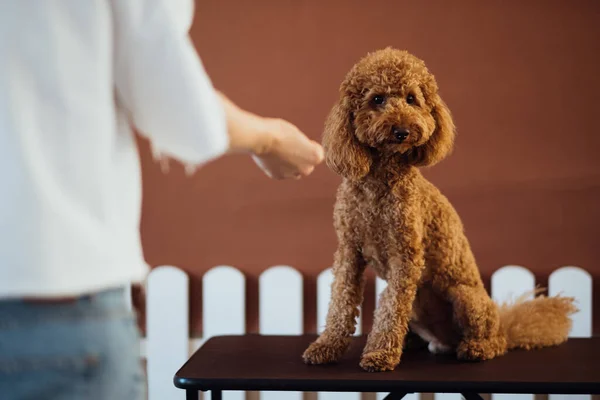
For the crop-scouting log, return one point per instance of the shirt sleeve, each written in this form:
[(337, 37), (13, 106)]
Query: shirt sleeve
[(162, 82)]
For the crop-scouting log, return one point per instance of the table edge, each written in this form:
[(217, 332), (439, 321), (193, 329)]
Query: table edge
[(308, 385)]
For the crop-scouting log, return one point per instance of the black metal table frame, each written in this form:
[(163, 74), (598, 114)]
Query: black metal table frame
[(192, 394)]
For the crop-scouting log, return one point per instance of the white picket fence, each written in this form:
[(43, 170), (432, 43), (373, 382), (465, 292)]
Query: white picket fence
[(167, 345)]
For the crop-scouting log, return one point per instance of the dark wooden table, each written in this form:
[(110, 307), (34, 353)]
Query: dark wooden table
[(273, 363)]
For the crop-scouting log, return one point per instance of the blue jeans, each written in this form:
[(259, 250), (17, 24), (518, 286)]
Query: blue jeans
[(85, 349)]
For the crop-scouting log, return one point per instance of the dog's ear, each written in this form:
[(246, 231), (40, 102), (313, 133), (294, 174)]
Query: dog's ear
[(441, 141), (344, 154)]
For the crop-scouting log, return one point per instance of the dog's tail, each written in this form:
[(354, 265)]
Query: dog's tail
[(540, 322)]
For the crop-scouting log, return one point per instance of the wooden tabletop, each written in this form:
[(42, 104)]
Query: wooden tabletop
[(255, 362)]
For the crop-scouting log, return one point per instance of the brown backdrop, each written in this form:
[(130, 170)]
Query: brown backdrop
[(521, 78)]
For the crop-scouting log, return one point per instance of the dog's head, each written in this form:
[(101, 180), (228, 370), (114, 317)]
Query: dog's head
[(389, 106)]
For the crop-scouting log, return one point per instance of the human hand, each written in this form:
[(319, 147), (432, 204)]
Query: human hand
[(278, 147), (288, 153)]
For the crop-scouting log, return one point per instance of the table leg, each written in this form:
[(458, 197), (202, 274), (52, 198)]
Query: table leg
[(472, 396), (396, 396), (191, 395), (215, 395)]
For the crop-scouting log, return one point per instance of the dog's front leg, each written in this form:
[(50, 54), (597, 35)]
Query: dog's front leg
[(346, 297), (384, 344)]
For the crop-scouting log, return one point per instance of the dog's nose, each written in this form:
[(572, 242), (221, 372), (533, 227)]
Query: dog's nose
[(400, 134)]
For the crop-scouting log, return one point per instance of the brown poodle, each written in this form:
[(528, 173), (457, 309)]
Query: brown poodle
[(389, 121)]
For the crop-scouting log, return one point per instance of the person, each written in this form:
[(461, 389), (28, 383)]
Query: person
[(76, 79)]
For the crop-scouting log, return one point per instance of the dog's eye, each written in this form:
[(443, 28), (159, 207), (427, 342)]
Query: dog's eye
[(378, 100), (410, 99)]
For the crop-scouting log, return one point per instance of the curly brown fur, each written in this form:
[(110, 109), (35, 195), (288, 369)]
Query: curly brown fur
[(388, 121), (537, 313)]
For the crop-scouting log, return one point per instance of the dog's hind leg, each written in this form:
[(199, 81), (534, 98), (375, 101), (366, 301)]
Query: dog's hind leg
[(478, 320)]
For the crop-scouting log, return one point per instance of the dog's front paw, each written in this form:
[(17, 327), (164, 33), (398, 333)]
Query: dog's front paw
[(380, 360), (325, 351)]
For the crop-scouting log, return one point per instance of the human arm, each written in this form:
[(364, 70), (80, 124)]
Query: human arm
[(161, 81)]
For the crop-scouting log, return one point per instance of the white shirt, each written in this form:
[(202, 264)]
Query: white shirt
[(74, 75)]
